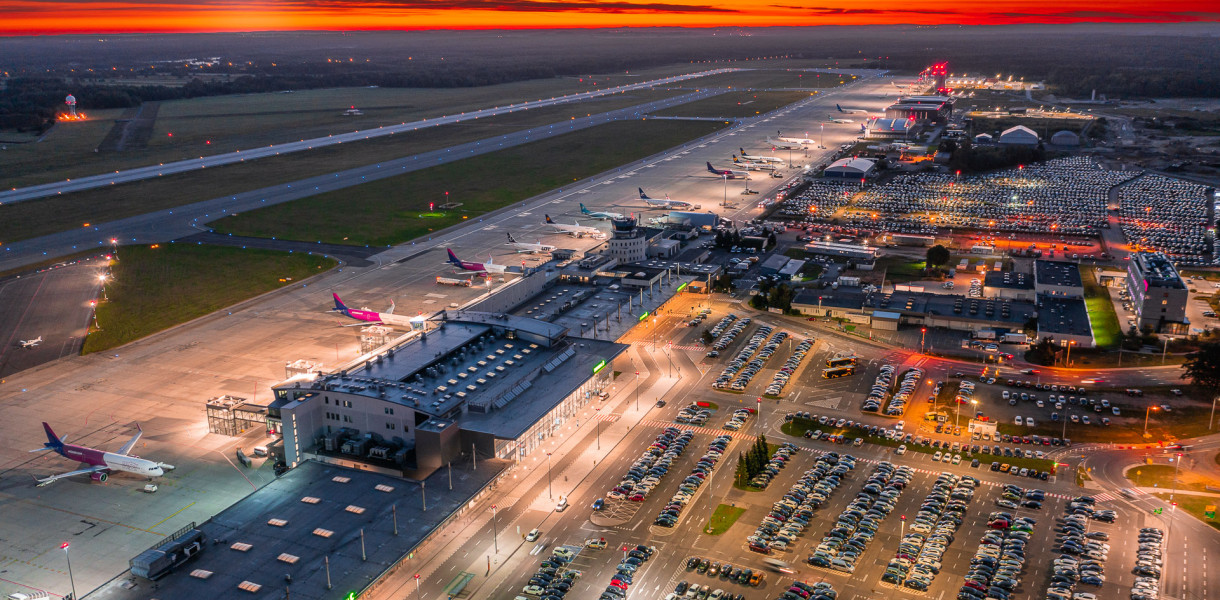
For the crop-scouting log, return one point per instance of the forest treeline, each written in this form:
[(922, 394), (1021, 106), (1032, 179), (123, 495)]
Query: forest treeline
[(1135, 60)]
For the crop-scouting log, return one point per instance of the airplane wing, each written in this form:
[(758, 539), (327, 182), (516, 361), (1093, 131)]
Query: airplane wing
[(126, 449), (87, 471)]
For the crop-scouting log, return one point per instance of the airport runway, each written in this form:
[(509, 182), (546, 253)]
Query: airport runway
[(181, 221), (52, 304), (94, 181), (163, 381)]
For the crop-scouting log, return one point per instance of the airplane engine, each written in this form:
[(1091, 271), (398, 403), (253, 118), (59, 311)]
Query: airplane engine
[(100, 476)]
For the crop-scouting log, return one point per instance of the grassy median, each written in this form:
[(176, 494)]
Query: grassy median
[(156, 287), (395, 209), (723, 518)]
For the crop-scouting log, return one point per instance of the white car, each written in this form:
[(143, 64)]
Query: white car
[(1019, 420), (532, 535), (901, 450), (936, 457)]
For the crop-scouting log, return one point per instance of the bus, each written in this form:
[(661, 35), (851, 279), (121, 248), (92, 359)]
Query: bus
[(846, 361), (838, 372)]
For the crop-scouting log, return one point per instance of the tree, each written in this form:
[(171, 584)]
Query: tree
[(1202, 367), (938, 255)]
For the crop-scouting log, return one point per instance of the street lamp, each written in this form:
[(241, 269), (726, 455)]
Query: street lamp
[(494, 543), (101, 279), (1068, 361), (1146, 412), (1165, 349), (637, 390), (923, 333), (71, 579), (548, 476)]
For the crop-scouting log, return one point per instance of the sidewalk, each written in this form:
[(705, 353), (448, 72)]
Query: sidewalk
[(616, 418)]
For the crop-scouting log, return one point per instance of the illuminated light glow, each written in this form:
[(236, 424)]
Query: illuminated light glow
[(599, 366), (644, 316), (26, 17)]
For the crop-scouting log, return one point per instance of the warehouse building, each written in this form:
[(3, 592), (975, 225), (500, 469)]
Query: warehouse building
[(1009, 285), (773, 264), (863, 256), (1064, 321), (915, 308), (1158, 293), (1065, 138), (1018, 135), (889, 129), (850, 169), (1057, 278)]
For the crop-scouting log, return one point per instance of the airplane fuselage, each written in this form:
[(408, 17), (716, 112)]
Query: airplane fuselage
[(376, 317), (112, 461)]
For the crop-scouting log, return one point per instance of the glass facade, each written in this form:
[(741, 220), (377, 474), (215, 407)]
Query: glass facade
[(551, 422)]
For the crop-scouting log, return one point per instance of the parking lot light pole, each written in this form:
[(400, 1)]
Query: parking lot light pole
[(923, 334), (548, 476), (494, 543), (1146, 411), (1212, 420), (71, 579)]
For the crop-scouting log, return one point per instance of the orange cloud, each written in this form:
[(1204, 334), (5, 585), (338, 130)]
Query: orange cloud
[(24, 17)]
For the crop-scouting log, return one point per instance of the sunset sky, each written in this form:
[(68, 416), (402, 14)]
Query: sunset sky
[(25, 17)]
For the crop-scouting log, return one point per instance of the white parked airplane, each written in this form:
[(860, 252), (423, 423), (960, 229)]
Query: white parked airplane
[(851, 111), (752, 166), (528, 247), (575, 229), (795, 140), (730, 173), (98, 464), (481, 269), (663, 203), (601, 215), (834, 120), (760, 159), (30, 343)]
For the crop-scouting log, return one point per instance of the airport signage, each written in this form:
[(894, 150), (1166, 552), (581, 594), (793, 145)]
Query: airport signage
[(599, 366), (644, 316)]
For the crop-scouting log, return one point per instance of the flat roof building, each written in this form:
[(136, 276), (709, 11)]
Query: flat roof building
[(1065, 321), (950, 311), (1058, 278), (889, 129), (852, 251), (923, 109), (1008, 284), (1158, 293), (495, 382)]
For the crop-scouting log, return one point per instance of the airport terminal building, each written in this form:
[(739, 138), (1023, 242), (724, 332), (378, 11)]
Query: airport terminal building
[(492, 383)]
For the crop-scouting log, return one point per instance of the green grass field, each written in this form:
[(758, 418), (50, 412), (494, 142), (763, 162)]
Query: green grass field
[(32, 219), (252, 120), (723, 518), (387, 211), (772, 78), (1194, 506), (1106, 330), (901, 269), (1162, 476), (735, 104), (157, 287)]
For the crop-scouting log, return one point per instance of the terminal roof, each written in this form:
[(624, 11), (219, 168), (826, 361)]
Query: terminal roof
[(1057, 272)]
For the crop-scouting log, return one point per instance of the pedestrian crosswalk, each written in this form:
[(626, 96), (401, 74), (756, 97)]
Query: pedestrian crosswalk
[(737, 435)]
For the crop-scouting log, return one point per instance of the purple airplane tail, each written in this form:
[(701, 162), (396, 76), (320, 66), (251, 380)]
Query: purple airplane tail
[(53, 441), (339, 305)]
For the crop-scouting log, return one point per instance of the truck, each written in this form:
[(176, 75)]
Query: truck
[(452, 281), (985, 334), (1014, 338), (846, 281), (982, 249)]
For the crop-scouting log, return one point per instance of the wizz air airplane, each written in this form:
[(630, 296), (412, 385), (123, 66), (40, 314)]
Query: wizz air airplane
[(729, 172), (602, 215), (528, 247), (99, 464), (759, 159), (30, 343), (575, 229), (663, 202), (480, 269), (368, 317), (832, 119), (851, 111), (752, 166)]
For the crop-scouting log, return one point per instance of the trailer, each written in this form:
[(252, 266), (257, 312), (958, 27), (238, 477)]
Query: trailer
[(452, 281), (1014, 338)]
